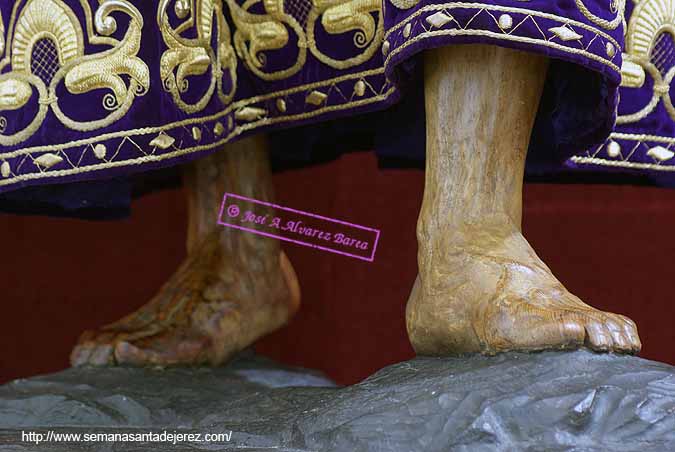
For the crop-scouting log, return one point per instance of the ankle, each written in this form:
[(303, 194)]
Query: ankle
[(461, 232)]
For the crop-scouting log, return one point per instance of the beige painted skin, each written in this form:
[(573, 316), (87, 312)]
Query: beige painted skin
[(481, 287)]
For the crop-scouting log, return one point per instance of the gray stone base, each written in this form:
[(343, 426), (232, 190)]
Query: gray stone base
[(550, 401)]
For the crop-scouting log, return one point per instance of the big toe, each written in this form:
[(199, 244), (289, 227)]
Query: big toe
[(557, 334), (536, 330), (165, 349)]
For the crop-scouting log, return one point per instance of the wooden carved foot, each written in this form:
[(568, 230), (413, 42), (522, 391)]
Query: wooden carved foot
[(233, 287), (481, 287)]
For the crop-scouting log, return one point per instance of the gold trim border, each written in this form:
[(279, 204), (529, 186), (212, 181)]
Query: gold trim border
[(621, 164), (192, 121), (507, 9), (626, 164), (500, 36), (237, 130)]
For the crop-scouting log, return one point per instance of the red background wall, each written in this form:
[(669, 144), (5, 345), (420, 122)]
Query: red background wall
[(611, 245)]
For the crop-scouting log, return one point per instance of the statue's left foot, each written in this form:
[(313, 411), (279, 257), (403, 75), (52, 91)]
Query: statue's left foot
[(215, 305), (483, 289)]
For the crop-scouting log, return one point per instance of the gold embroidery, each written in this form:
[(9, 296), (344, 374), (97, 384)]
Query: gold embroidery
[(404, 4), (104, 70), (187, 57), (182, 8), (221, 114), (649, 19), (360, 88), (196, 134), (184, 151), (47, 47), (531, 14), (14, 94), (316, 98), (100, 151), (250, 113), (438, 19), (339, 16), (163, 141), (621, 164), (660, 153), (544, 41), (616, 6), (505, 22), (565, 33), (127, 136), (46, 161), (257, 33), (613, 149), (2, 36)]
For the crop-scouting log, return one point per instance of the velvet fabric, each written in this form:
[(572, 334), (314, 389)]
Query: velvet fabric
[(644, 134), (118, 88)]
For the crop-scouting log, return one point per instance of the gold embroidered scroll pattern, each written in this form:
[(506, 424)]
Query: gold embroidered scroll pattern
[(258, 33), (168, 143), (47, 47), (617, 7), (339, 17), (187, 57), (649, 20)]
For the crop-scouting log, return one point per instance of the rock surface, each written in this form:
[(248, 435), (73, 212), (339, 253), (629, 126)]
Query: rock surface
[(549, 401)]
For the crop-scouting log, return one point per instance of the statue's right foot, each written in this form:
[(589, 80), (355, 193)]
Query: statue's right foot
[(214, 306), (482, 288)]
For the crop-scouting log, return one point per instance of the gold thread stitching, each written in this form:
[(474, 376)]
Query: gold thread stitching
[(455, 32), (623, 164), (649, 19), (482, 6), (185, 57), (80, 73), (237, 131), (233, 106)]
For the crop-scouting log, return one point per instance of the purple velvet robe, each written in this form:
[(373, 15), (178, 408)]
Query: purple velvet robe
[(96, 90)]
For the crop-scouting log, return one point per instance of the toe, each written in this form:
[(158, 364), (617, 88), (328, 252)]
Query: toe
[(127, 353), (631, 333), (622, 343), (80, 355), (91, 355), (573, 333), (598, 336), (165, 349), (101, 355), (544, 332), (92, 349)]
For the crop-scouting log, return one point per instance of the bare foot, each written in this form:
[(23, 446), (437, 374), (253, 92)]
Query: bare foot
[(482, 288), (212, 307)]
